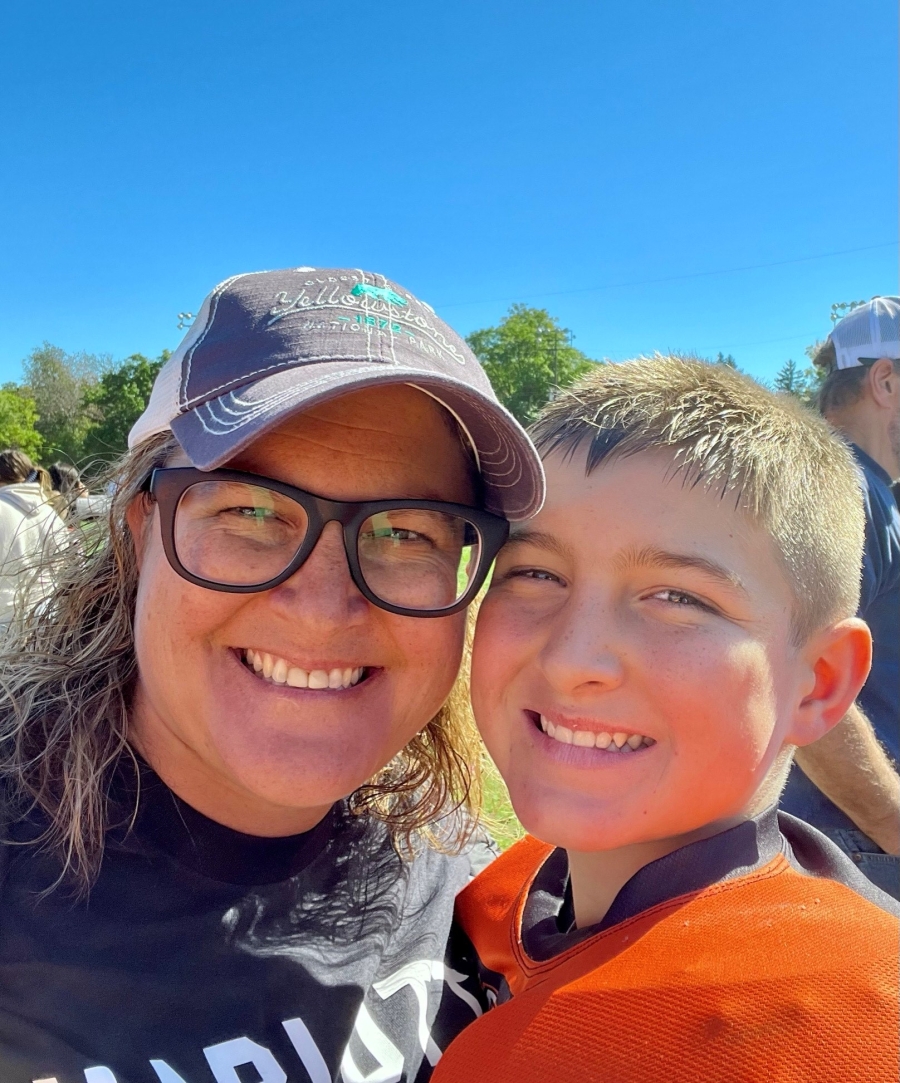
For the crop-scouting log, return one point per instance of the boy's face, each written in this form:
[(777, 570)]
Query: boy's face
[(635, 607)]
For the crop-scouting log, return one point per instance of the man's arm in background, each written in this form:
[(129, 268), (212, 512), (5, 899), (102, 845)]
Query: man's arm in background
[(852, 769)]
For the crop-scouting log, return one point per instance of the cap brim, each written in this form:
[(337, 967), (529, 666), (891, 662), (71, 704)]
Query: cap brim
[(213, 433), (848, 357)]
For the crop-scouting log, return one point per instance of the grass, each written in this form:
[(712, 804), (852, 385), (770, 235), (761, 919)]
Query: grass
[(499, 817)]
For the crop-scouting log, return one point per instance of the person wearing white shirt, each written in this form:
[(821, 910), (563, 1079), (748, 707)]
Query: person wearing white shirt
[(31, 531)]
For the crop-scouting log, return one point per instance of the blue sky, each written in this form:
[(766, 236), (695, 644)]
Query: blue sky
[(659, 174)]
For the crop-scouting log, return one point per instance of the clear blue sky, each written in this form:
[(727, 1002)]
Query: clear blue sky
[(479, 152)]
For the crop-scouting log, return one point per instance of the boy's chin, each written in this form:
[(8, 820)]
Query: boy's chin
[(575, 828), (571, 823)]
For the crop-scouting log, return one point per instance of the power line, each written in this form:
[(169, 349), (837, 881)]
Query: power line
[(808, 337), (669, 278)]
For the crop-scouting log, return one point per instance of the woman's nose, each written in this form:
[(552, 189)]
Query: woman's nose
[(322, 588)]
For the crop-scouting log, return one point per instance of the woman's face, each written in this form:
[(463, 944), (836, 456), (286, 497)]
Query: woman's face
[(260, 756)]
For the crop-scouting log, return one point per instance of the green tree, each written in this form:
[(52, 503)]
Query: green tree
[(116, 402), (817, 373), (789, 378), (18, 417), (726, 359), (58, 383), (527, 356), (803, 383)]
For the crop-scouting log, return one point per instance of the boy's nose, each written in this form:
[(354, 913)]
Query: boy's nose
[(582, 655)]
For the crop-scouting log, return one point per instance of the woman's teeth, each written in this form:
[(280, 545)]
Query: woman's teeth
[(277, 670), (611, 742)]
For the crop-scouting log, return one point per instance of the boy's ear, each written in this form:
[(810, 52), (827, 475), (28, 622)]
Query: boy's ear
[(839, 659)]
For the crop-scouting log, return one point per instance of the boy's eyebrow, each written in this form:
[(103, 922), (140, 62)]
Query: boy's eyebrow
[(541, 540), (650, 555), (662, 558)]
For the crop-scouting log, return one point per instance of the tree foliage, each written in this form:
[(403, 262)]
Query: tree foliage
[(58, 383), (117, 401), (18, 417), (527, 356), (803, 383), (76, 407)]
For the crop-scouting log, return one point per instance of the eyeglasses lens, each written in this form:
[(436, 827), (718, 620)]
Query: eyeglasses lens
[(236, 534), (418, 559)]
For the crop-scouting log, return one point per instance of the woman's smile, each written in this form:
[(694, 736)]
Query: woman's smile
[(334, 676)]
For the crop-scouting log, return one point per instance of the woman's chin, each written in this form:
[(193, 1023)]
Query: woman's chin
[(298, 751), (292, 770)]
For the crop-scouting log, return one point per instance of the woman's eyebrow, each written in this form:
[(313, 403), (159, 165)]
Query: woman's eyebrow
[(653, 556)]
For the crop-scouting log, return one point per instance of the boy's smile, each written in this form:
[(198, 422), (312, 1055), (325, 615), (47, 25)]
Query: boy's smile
[(583, 733), (634, 675)]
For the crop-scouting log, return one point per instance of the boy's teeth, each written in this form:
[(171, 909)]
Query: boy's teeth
[(278, 671), (611, 742)]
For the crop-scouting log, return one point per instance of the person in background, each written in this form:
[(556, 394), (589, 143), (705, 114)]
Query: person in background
[(67, 483), (848, 788), (66, 479), (30, 528), (17, 468)]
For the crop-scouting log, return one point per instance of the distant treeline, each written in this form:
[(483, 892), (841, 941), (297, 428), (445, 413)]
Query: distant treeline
[(75, 407)]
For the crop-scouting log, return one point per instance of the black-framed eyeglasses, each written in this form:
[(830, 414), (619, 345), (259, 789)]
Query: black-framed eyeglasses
[(242, 533)]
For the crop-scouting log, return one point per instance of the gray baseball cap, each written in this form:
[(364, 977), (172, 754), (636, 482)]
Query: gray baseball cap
[(269, 344)]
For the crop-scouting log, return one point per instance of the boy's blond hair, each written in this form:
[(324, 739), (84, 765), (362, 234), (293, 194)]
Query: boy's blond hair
[(783, 465)]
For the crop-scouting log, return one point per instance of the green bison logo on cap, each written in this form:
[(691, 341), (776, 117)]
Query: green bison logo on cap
[(381, 292)]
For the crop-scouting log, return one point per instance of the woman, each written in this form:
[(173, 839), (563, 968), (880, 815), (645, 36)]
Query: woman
[(227, 721), (31, 531), (68, 486)]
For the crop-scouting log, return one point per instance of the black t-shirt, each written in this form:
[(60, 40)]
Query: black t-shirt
[(202, 955)]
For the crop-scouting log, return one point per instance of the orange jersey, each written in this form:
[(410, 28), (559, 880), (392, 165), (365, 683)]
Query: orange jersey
[(777, 972)]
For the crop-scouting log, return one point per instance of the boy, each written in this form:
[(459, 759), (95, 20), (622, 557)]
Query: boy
[(655, 643)]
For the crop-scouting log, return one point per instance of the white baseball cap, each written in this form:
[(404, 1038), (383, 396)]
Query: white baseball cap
[(868, 333)]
